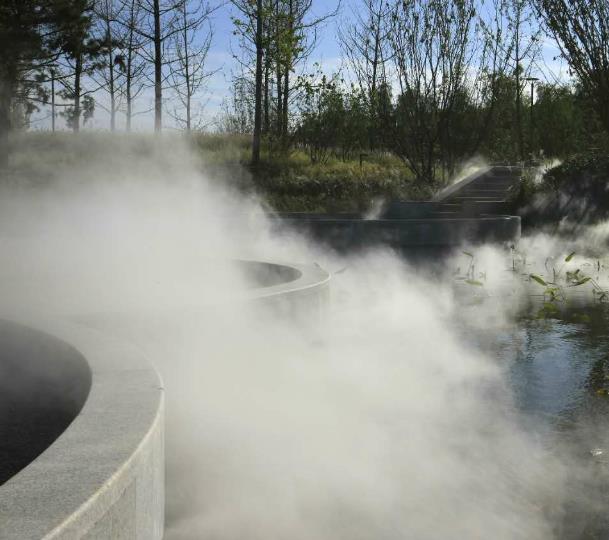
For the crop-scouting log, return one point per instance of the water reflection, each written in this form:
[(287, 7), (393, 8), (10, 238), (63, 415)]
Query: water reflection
[(558, 370)]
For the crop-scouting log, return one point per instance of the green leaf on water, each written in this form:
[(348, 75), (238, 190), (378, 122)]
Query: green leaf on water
[(570, 256), (468, 254), (474, 282), (538, 279), (581, 281)]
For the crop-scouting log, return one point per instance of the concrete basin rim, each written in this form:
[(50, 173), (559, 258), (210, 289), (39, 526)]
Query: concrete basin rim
[(67, 462)]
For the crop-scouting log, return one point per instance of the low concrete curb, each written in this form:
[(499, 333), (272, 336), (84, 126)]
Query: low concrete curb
[(408, 234)]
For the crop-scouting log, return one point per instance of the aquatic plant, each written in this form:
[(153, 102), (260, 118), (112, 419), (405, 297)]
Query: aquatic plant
[(556, 290), (470, 276)]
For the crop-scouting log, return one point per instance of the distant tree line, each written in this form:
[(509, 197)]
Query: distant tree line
[(435, 82), (61, 53)]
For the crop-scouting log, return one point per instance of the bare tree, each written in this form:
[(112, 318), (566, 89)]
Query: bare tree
[(525, 36), (110, 34), (159, 23), (237, 116), (133, 64), (364, 42), (250, 26), (430, 42), (188, 71), (492, 63)]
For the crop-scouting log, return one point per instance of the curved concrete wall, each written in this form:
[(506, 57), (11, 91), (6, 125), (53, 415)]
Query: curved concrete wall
[(104, 476), (345, 234), (302, 292)]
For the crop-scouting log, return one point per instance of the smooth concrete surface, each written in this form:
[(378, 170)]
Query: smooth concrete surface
[(304, 294), (103, 478), (293, 289)]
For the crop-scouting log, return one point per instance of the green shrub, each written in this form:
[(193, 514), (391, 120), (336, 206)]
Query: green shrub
[(578, 171)]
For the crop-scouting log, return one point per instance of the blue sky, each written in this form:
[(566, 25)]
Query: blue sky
[(327, 53)]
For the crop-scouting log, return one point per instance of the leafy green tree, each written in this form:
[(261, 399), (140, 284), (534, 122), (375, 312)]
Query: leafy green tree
[(24, 55), (559, 120), (321, 127), (356, 124), (581, 30), (502, 140), (83, 55)]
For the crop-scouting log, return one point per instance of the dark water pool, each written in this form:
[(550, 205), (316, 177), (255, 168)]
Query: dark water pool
[(558, 371), (44, 383)]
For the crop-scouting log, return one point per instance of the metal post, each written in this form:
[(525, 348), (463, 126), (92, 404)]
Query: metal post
[(532, 80)]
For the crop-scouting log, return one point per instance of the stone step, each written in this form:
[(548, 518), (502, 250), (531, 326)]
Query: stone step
[(481, 199), (501, 172), (485, 192), (489, 180)]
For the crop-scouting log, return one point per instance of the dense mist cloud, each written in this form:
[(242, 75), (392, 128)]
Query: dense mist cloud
[(376, 421)]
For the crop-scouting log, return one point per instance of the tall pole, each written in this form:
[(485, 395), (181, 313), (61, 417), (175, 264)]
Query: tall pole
[(532, 80)]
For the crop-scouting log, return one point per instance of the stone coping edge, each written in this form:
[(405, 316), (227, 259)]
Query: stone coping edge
[(104, 476)]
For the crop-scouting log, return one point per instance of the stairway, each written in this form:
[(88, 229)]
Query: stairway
[(486, 192)]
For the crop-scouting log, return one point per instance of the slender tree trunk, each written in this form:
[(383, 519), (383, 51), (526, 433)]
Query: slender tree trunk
[(518, 93), (188, 114), (5, 108), (77, 90), (53, 100), (279, 99), (186, 68), (129, 67), (158, 81), (373, 93), (267, 68), (286, 78), (107, 16), (3, 141), (258, 91), (112, 98), (284, 106), (128, 89), (278, 75)]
